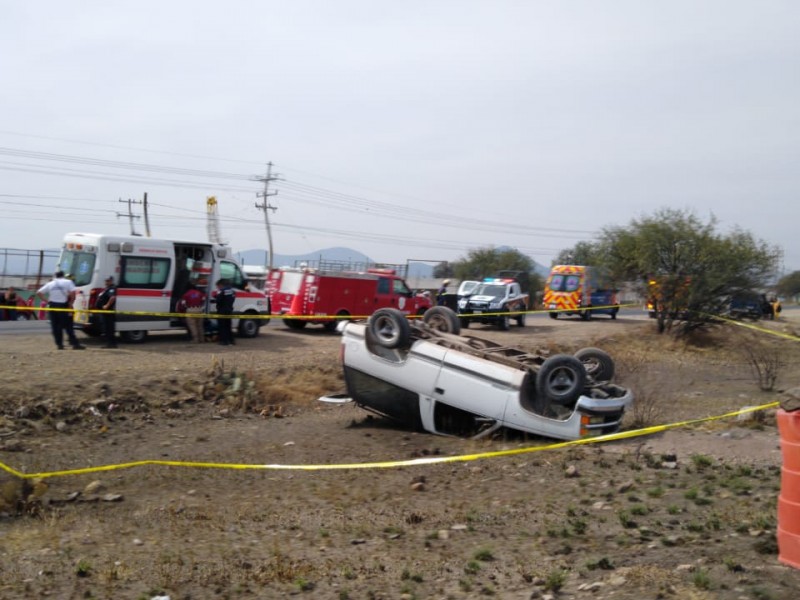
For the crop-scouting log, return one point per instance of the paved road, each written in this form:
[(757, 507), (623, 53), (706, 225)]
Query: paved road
[(24, 327)]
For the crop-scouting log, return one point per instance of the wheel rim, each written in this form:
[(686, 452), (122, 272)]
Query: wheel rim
[(561, 381), (438, 322), (386, 330)]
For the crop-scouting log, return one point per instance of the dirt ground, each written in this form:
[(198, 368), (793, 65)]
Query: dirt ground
[(687, 513)]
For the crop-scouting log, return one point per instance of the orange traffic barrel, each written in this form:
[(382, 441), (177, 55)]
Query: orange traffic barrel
[(789, 498)]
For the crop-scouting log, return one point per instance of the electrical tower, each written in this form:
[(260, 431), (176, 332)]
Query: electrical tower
[(266, 208)]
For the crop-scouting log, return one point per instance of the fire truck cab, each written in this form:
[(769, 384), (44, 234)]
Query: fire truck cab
[(151, 276), (306, 295)]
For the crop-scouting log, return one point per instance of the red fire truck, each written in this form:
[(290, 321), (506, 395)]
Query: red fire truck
[(304, 295)]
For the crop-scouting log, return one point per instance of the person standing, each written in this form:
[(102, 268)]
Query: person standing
[(11, 300), (224, 298), (59, 294), (440, 293), (107, 300), (193, 302)]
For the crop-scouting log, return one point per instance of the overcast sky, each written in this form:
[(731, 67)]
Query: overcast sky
[(405, 130)]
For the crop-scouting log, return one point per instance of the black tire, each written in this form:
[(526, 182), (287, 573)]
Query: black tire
[(333, 323), (614, 313), (521, 320), (248, 328), (553, 315), (586, 314), (561, 379), (296, 324), (389, 328), (598, 363), (464, 323), (443, 319), (134, 337), (502, 323)]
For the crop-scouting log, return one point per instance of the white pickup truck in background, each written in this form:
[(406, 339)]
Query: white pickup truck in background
[(425, 375)]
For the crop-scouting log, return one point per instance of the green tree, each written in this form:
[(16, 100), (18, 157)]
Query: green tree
[(443, 270), (485, 262), (789, 285), (583, 253), (697, 269)]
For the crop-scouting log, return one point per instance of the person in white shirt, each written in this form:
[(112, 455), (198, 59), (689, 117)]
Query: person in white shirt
[(60, 295)]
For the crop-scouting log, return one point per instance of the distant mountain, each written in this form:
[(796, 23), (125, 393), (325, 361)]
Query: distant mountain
[(346, 256), (27, 262)]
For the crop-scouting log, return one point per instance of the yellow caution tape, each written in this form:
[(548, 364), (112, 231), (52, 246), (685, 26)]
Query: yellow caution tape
[(787, 336), (431, 460), (182, 315)]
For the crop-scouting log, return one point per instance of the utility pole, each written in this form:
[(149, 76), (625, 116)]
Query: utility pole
[(146, 218), (130, 214), (266, 208)]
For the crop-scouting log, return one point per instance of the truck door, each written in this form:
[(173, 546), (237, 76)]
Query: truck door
[(394, 293), (384, 296), (144, 287), (474, 386)]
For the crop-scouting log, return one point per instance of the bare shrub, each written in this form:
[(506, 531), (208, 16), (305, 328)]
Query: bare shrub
[(653, 389), (765, 359)]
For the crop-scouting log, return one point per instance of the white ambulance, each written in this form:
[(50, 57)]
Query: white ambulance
[(151, 276)]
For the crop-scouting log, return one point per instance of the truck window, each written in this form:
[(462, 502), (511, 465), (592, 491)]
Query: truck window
[(136, 272), (491, 290), (557, 283), (400, 287), (384, 285), (80, 265), (232, 272), (572, 283)]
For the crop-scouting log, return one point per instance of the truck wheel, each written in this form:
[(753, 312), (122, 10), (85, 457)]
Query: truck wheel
[(586, 315), (598, 364), (333, 323), (443, 319), (561, 379), (295, 323), (134, 337), (521, 320), (248, 328), (614, 313), (502, 323), (389, 328), (464, 323), (553, 315)]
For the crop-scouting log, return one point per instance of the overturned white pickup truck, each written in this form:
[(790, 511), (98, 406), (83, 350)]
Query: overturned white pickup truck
[(427, 376)]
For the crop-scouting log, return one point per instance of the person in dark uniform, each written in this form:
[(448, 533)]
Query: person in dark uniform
[(224, 298), (107, 300)]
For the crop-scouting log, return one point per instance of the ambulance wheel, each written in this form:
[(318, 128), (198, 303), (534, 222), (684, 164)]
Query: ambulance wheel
[(133, 337), (295, 323), (553, 315), (389, 328), (561, 379), (333, 323), (443, 319), (598, 363), (248, 328)]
